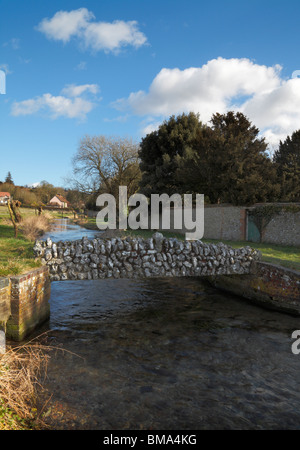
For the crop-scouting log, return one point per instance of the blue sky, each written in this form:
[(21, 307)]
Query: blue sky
[(120, 67)]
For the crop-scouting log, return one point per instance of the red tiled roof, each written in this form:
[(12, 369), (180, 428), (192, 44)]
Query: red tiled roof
[(4, 194), (61, 198)]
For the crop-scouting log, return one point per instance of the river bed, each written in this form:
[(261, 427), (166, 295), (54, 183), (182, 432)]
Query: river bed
[(166, 354)]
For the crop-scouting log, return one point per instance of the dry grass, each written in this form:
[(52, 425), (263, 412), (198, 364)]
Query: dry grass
[(34, 226), (20, 373)]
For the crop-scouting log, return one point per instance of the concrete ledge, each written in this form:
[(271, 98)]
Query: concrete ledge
[(268, 285)]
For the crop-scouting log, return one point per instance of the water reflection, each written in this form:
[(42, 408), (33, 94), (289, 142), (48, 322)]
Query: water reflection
[(169, 354)]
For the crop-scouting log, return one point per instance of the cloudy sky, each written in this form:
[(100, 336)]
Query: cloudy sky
[(121, 67)]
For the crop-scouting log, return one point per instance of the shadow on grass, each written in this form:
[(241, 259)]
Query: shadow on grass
[(16, 254), (6, 231)]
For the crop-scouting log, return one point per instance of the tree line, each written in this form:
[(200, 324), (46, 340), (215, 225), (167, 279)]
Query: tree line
[(40, 195), (227, 161)]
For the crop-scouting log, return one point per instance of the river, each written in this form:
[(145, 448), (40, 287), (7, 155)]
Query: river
[(166, 354)]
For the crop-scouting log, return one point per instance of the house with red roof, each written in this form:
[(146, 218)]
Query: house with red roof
[(4, 196), (59, 201)]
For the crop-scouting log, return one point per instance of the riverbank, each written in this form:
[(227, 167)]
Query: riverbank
[(16, 254)]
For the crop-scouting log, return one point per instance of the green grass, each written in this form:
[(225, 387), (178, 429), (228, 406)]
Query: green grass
[(276, 254), (26, 212), (4, 214), (16, 254), (89, 223)]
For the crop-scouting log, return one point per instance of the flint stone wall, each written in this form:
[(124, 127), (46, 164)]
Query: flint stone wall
[(139, 258)]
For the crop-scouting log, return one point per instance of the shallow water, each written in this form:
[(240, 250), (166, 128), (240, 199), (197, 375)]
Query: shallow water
[(168, 354), (64, 230)]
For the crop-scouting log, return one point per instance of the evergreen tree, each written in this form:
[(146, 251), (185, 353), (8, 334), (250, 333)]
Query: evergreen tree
[(287, 160), (229, 163), (9, 179), (244, 172), (159, 152)]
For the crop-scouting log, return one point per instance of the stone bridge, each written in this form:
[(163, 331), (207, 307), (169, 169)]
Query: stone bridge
[(138, 258), (24, 299)]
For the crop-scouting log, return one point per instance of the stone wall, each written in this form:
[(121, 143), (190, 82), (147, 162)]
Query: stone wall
[(268, 285), (283, 229), (136, 258), (29, 302), (220, 222), (225, 222)]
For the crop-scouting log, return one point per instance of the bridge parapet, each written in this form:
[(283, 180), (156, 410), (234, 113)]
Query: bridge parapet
[(139, 258)]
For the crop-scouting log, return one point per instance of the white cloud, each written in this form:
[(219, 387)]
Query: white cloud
[(56, 106), (65, 25), (270, 102), (276, 112), (59, 106), (72, 90), (206, 89), (107, 36), (27, 107), (113, 36)]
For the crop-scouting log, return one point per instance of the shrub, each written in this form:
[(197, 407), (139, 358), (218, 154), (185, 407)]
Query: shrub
[(20, 371), (34, 226)]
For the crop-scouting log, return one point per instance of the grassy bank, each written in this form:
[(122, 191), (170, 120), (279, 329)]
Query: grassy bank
[(16, 254), (276, 254)]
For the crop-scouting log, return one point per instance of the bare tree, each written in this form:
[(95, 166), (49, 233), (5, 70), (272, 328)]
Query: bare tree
[(102, 164), (14, 214)]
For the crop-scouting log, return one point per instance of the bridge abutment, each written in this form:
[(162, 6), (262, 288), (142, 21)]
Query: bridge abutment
[(27, 303)]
